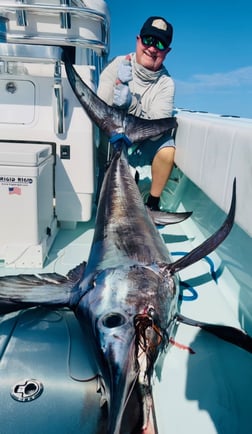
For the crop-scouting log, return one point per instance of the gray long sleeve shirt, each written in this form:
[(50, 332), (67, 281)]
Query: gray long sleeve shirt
[(152, 91)]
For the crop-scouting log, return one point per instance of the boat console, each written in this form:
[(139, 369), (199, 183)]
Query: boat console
[(38, 108)]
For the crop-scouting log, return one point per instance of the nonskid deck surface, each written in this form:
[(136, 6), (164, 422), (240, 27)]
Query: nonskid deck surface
[(202, 383)]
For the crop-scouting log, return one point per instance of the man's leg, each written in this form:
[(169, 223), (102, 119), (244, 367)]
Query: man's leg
[(160, 170)]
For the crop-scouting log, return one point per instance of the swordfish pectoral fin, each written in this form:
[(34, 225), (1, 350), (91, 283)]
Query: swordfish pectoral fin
[(226, 333), (76, 273), (107, 118), (211, 243), (51, 290)]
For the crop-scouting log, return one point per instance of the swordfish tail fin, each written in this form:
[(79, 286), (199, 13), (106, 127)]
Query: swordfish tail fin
[(138, 129), (51, 290), (112, 120), (104, 116), (211, 243)]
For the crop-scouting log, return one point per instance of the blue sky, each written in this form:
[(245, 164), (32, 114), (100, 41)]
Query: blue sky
[(211, 57)]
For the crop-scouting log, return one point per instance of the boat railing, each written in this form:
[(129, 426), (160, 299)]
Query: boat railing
[(68, 23)]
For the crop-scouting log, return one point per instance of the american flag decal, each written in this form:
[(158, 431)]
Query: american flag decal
[(15, 190)]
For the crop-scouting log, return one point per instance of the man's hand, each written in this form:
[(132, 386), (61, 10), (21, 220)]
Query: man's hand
[(122, 96), (124, 72)]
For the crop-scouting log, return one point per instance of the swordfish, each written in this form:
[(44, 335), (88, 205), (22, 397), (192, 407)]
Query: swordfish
[(125, 297)]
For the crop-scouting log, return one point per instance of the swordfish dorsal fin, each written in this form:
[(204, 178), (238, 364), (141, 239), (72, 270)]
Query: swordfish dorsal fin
[(210, 244), (112, 120), (51, 290)]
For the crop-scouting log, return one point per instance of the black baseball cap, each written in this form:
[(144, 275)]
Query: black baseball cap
[(158, 27)]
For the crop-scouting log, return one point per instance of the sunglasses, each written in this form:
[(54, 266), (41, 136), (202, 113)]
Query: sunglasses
[(151, 41)]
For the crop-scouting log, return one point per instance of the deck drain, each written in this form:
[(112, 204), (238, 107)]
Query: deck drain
[(27, 390)]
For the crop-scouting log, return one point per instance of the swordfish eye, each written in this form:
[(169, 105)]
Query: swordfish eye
[(113, 319)]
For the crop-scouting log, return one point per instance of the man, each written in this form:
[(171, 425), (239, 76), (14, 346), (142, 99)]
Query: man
[(140, 84)]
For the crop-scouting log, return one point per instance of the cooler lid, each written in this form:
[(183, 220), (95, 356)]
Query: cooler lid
[(23, 154)]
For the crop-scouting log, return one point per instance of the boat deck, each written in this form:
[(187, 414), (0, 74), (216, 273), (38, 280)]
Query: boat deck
[(201, 383)]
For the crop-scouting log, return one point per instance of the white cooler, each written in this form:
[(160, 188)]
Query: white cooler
[(27, 221)]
